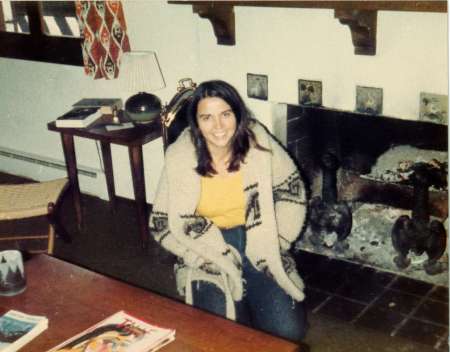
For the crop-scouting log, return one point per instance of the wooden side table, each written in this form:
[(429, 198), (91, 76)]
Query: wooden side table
[(133, 138)]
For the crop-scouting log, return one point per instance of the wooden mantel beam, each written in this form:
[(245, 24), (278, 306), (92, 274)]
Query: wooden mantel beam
[(360, 16)]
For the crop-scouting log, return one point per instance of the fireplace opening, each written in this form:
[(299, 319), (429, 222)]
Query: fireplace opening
[(384, 204)]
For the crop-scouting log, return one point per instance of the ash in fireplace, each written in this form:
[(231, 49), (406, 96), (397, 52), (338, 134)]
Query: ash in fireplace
[(395, 164), (370, 243)]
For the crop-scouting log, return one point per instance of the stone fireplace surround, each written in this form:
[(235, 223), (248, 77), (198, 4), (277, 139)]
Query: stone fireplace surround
[(359, 140)]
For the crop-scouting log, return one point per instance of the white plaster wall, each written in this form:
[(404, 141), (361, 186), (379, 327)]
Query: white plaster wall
[(285, 44)]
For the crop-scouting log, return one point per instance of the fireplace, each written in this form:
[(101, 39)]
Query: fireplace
[(377, 159)]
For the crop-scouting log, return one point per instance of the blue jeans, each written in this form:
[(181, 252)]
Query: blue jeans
[(265, 305)]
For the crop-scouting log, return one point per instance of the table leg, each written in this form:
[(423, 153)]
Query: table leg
[(71, 164), (137, 172), (107, 163)]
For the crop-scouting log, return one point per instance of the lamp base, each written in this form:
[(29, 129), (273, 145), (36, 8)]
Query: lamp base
[(143, 107)]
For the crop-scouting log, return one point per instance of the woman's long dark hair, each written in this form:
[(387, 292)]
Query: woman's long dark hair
[(242, 139)]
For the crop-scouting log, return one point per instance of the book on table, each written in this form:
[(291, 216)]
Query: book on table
[(79, 117), (119, 332), (106, 105), (17, 329)]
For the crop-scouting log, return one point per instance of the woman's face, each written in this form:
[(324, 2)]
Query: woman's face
[(216, 122)]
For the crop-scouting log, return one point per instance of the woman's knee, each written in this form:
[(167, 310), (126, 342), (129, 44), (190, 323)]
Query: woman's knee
[(289, 323), (293, 330)]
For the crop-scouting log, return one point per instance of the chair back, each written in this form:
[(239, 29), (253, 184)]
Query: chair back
[(174, 117)]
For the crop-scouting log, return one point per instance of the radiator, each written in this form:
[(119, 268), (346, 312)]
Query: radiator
[(45, 161)]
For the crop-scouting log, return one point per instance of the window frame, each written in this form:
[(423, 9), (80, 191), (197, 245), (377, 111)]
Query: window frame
[(37, 45)]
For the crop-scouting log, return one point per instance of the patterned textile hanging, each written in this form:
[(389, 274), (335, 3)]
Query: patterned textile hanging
[(104, 33)]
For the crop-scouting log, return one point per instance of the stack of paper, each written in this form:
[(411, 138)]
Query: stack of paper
[(119, 332)]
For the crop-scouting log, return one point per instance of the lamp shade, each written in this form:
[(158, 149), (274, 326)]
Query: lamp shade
[(140, 74)]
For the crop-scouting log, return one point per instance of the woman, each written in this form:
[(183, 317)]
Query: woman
[(229, 204)]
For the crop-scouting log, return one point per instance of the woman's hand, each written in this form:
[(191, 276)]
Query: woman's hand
[(192, 259)]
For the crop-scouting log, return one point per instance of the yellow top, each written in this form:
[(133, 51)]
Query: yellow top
[(222, 200)]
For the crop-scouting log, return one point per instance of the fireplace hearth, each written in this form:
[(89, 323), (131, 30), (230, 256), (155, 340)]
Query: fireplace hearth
[(376, 155), (370, 243)]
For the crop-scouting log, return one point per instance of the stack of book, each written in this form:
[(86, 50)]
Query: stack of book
[(88, 110)]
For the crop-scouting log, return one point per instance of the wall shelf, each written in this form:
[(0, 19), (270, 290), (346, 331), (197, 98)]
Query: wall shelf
[(360, 16)]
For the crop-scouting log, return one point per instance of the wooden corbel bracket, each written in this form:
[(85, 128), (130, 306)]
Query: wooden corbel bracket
[(363, 28), (221, 16)]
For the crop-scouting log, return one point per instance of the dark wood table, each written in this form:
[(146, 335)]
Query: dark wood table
[(134, 139), (73, 299)]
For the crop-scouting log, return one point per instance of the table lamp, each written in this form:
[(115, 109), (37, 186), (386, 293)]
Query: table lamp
[(140, 73)]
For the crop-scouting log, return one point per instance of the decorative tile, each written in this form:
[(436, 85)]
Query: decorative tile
[(364, 292), (411, 286), (439, 293), (380, 319), (421, 332), (324, 274), (314, 298), (368, 276), (309, 92), (384, 278), (341, 308), (433, 311), (358, 273), (433, 108), (369, 100), (328, 283), (257, 86), (343, 269), (308, 262), (397, 301)]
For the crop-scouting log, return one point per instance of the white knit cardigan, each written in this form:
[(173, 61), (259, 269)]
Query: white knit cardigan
[(276, 208)]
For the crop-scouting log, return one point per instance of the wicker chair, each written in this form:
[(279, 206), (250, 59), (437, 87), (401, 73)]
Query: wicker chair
[(21, 201)]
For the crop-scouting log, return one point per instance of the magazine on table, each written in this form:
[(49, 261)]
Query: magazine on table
[(119, 332), (17, 329)]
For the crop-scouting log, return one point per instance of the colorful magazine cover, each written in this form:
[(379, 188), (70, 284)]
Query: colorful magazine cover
[(17, 329), (120, 332)]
